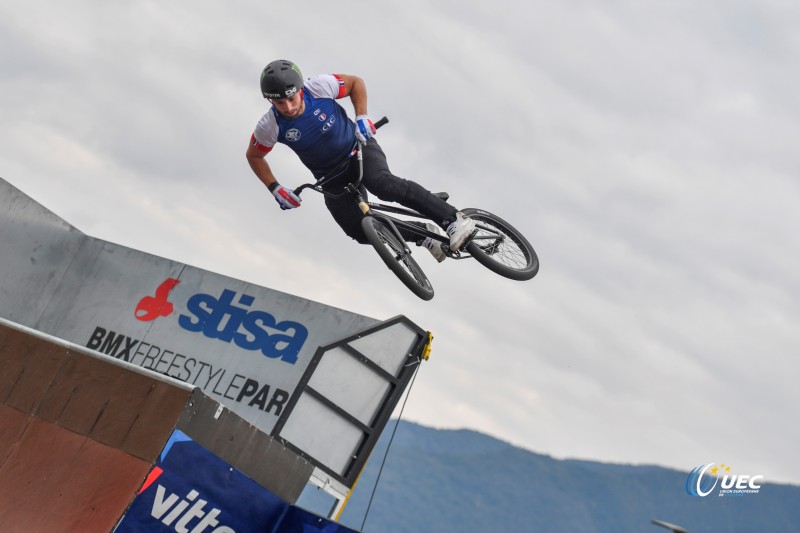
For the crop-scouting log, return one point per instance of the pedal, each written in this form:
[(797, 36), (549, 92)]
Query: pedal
[(450, 253)]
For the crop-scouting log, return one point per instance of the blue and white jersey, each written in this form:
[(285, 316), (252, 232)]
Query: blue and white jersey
[(322, 136)]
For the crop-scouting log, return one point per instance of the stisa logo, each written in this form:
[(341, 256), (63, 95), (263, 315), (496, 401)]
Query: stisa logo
[(229, 319), (703, 480)]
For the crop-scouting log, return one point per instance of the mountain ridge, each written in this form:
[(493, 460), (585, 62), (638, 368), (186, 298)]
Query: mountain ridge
[(443, 480)]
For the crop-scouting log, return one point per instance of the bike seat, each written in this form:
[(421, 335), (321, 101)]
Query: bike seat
[(443, 195)]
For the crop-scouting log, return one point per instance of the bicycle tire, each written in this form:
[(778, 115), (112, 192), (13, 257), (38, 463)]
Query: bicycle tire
[(510, 255), (389, 248)]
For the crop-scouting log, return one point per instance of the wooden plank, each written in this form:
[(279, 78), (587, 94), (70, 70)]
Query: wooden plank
[(57, 480)]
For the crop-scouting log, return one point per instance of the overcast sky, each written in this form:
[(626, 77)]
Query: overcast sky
[(647, 150)]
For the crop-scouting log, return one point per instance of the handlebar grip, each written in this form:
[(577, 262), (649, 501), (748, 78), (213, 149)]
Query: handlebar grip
[(381, 122), (298, 190)]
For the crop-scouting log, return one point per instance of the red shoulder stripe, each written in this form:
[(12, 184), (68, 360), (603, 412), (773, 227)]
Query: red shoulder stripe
[(341, 86), (254, 142)]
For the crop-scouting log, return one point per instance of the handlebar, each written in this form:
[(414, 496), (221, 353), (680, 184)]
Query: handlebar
[(382, 122), (298, 190), (379, 124)]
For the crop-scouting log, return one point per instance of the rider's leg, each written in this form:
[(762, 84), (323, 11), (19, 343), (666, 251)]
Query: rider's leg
[(379, 180), (348, 216)]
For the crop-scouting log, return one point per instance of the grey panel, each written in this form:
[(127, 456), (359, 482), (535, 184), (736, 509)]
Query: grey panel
[(246, 346), (349, 384), (346, 397), (400, 337), (102, 286), (243, 446), (36, 248), (318, 431)]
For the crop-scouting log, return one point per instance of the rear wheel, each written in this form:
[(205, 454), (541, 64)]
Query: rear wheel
[(396, 258), (500, 247)]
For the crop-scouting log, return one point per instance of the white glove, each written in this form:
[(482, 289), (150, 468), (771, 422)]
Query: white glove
[(365, 129), (285, 197)]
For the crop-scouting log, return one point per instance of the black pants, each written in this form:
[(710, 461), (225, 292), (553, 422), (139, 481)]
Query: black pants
[(382, 183)]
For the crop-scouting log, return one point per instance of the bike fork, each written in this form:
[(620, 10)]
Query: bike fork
[(396, 232)]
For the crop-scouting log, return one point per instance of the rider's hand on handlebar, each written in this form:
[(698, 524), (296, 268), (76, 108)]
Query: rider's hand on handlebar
[(365, 129), (285, 197)]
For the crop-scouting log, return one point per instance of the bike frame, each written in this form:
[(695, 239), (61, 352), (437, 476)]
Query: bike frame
[(379, 210)]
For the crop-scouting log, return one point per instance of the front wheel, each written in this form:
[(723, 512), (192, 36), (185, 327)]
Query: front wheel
[(498, 246), (394, 254)]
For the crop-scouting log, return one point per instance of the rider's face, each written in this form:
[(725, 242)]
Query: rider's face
[(291, 107)]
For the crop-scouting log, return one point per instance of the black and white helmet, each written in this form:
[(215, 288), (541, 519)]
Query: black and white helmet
[(281, 79)]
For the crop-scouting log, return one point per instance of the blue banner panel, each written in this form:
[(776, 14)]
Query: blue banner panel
[(192, 490)]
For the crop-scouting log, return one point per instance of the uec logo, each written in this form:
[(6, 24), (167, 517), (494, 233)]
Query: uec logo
[(703, 480)]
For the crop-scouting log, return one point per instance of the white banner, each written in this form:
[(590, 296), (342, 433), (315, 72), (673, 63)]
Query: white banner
[(246, 346)]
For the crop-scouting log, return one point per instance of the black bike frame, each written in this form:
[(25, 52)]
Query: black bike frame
[(377, 210)]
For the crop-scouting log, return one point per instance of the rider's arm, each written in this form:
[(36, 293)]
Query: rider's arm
[(356, 89), (257, 161), (286, 198)]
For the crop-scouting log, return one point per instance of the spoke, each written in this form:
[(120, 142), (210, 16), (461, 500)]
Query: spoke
[(502, 248)]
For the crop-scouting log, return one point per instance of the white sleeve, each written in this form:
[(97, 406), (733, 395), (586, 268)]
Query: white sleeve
[(266, 132), (325, 86)]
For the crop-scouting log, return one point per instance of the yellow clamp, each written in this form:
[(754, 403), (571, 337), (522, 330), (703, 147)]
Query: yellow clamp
[(426, 350)]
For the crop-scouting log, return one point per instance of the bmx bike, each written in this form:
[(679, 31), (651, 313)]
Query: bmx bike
[(495, 243)]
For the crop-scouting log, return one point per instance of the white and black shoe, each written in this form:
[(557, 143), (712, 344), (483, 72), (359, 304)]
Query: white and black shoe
[(433, 246), (460, 231)]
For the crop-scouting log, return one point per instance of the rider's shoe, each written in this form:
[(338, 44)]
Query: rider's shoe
[(459, 231), (433, 246)]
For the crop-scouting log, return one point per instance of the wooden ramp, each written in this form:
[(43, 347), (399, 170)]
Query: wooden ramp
[(79, 434)]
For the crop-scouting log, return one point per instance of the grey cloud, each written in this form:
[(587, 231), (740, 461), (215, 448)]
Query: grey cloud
[(647, 152)]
